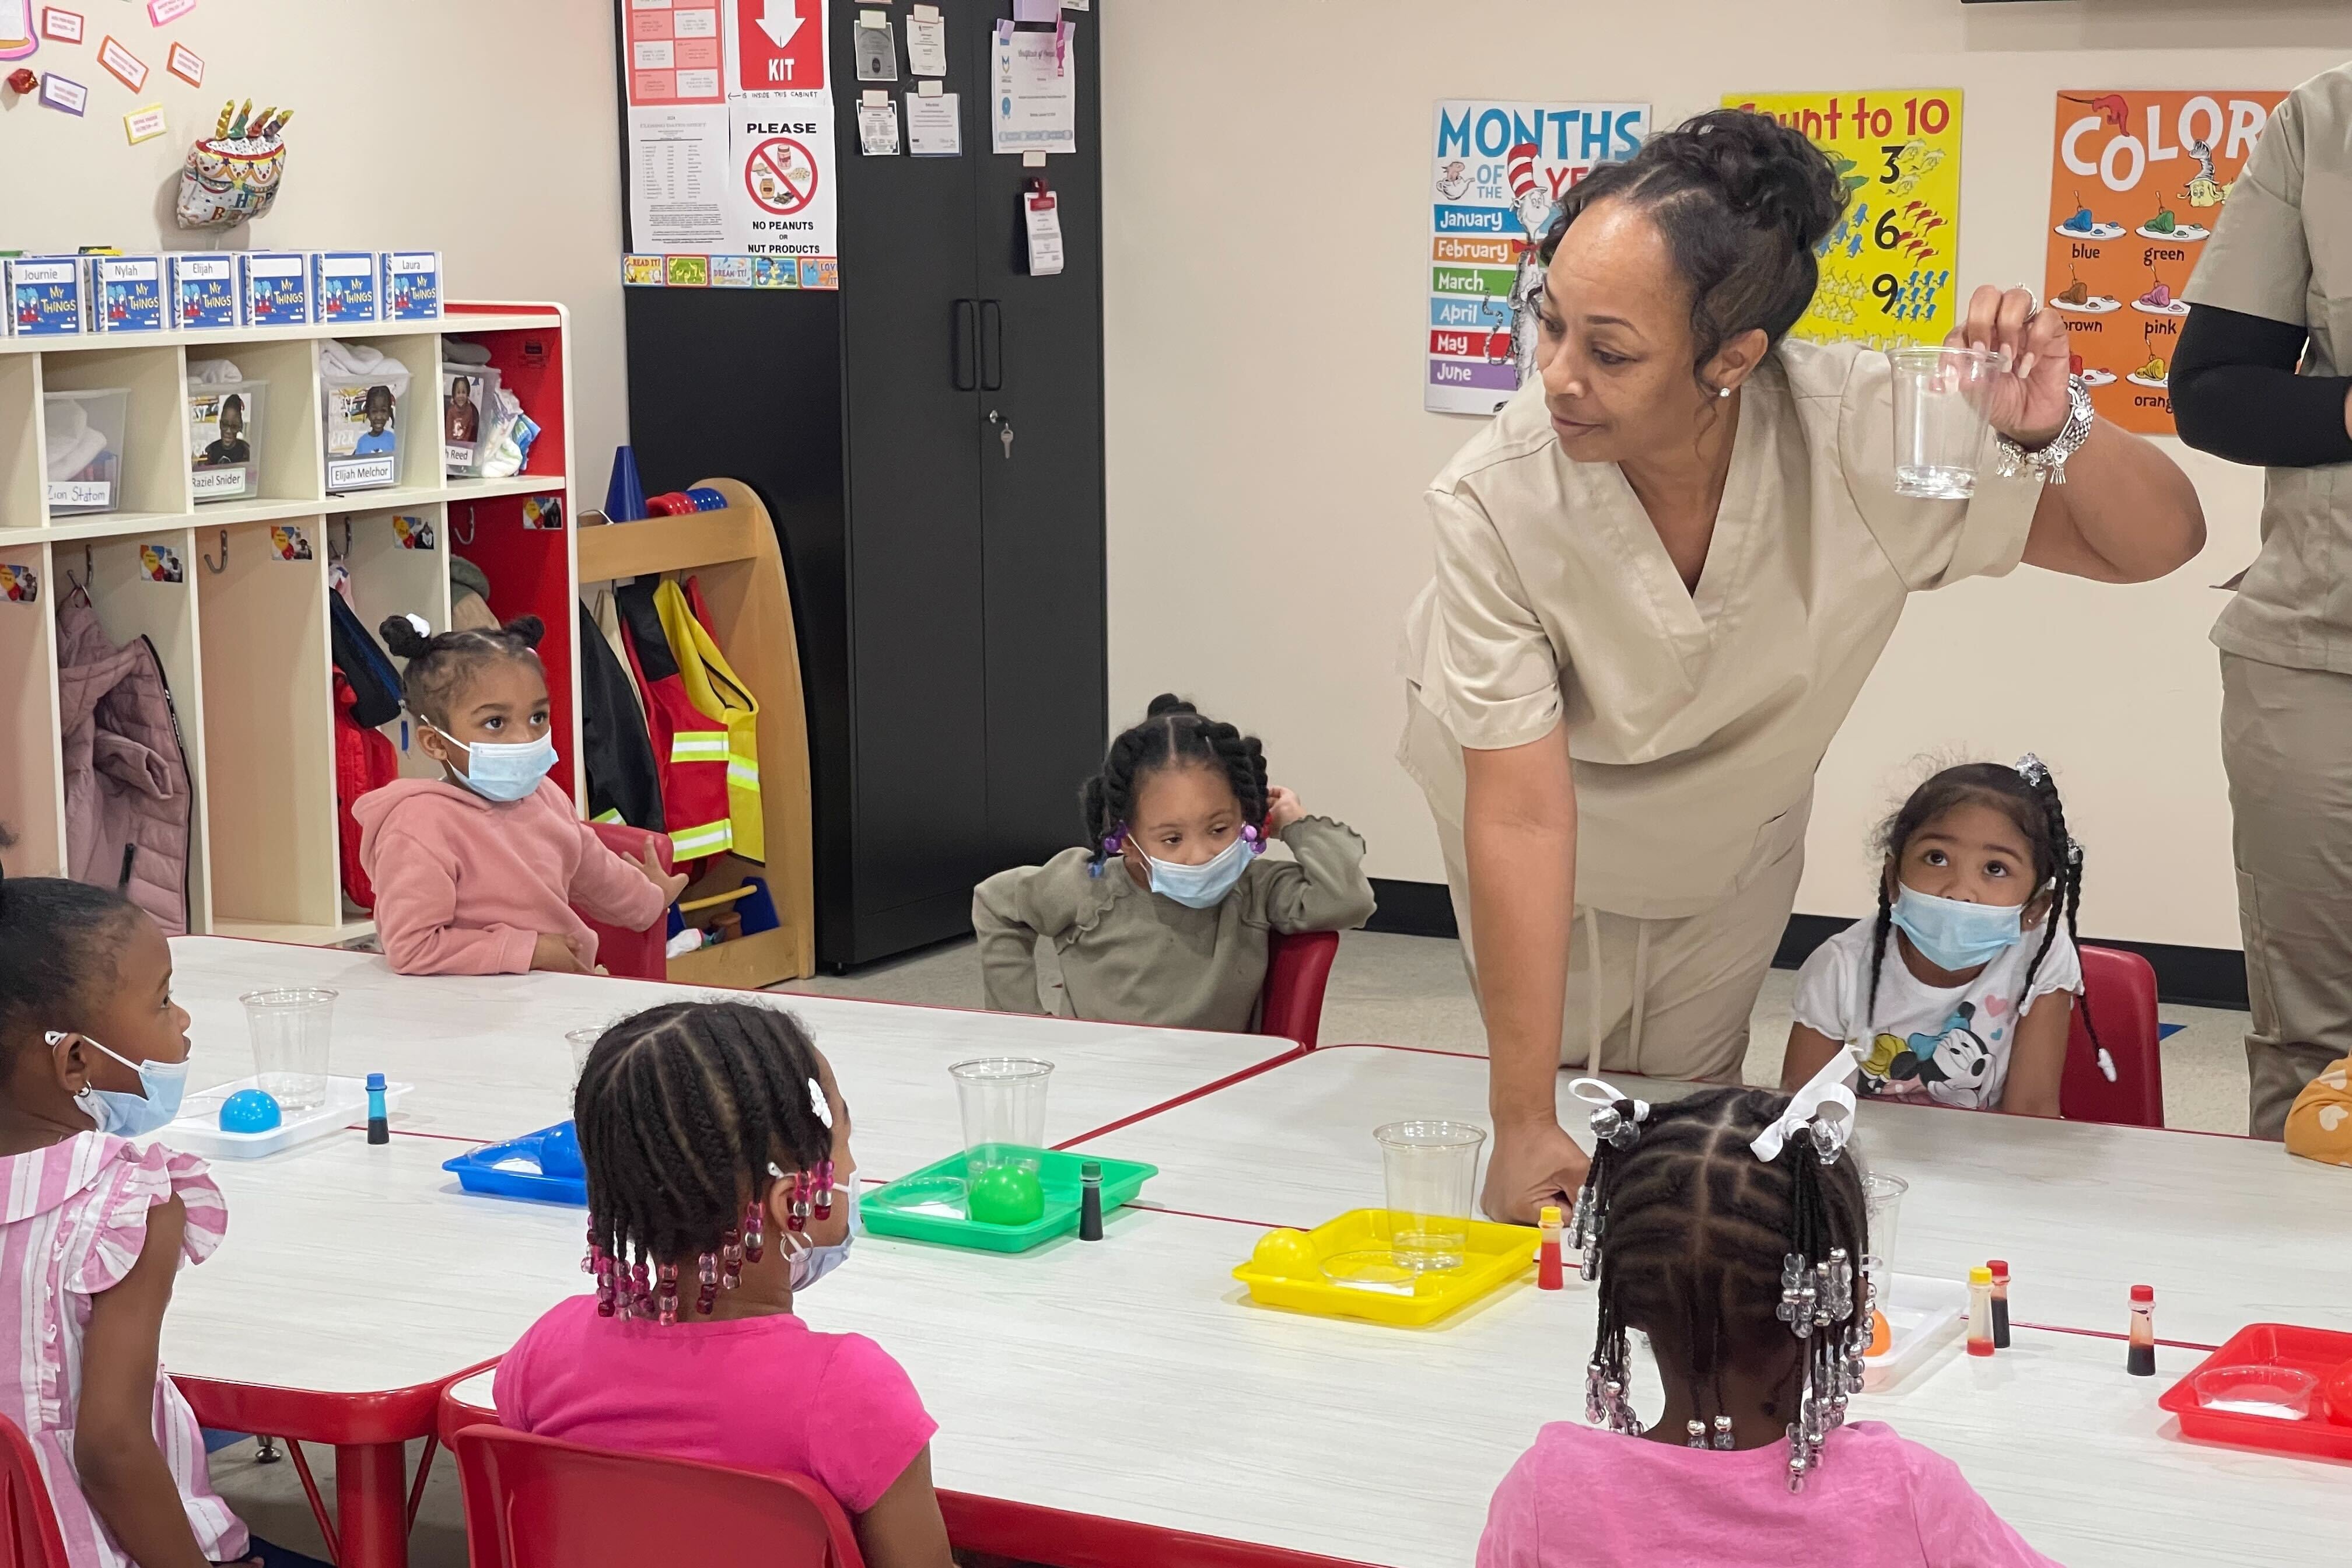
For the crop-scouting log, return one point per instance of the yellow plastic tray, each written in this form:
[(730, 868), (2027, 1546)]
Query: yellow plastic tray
[(1287, 1270)]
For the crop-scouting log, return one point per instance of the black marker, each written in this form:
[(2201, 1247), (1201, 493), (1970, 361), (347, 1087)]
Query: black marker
[(1090, 1201)]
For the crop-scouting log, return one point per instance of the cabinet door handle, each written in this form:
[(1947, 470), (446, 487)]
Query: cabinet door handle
[(967, 345), (992, 346)]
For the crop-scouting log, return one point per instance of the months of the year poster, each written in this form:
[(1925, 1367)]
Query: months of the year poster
[(2137, 180), (1886, 269)]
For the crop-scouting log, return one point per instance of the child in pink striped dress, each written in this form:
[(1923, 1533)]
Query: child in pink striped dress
[(93, 1053)]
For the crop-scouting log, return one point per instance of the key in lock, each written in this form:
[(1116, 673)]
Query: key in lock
[(1003, 431)]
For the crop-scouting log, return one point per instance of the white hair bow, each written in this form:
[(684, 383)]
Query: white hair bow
[(1608, 1121), (1825, 1104)]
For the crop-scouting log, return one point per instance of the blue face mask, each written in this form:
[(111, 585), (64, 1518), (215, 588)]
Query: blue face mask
[(1951, 934), (133, 1115), (504, 772), (811, 1264), (1199, 887)]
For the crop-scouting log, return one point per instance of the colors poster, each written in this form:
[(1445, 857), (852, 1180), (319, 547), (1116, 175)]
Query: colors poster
[(1887, 269), (1498, 173), (2138, 183)]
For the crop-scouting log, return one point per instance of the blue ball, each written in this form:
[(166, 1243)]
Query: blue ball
[(249, 1110), (559, 1152)]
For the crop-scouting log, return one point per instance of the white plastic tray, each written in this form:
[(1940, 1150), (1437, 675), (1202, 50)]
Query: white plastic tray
[(197, 1127), (1921, 1314)]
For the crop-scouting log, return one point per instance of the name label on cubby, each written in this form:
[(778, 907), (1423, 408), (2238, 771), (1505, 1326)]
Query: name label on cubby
[(81, 492), (222, 483), (360, 473), (204, 290)]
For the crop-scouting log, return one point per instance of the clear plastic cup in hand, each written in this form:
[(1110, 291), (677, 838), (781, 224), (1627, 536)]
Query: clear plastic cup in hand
[(292, 1029), (1941, 434), (1003, 1099), (1882, 1202), (1431, 1173)]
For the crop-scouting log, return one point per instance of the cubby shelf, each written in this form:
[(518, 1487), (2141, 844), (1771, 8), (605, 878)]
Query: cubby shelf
[(241, 625), (241, 629)]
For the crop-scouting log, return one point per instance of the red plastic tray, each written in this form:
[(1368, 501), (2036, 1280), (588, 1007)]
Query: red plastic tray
[(2317, 1352)]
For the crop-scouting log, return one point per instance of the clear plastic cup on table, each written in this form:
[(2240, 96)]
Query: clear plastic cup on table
[(1882, 1202), (1431, 1173), (1003, 1099), (1941, 434), (581, 1042), (292, 1030)]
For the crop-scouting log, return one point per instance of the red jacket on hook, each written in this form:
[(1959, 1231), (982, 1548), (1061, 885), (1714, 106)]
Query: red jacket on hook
[(689, 751)]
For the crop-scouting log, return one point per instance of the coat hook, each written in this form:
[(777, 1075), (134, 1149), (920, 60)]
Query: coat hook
[(222, 565), (466, 537), (88, 566), (347, 539)]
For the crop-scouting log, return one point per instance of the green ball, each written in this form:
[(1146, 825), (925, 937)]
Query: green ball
[(1007, 1195)]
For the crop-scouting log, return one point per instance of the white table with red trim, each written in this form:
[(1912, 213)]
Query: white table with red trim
[(2229, 1231), (356, 1280), (1091, 1393)]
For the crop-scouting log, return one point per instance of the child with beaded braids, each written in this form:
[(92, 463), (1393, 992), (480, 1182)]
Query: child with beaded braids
[(476, 872), (720, 1183), (1727, 1229), (1977, 903), (1162, 916)]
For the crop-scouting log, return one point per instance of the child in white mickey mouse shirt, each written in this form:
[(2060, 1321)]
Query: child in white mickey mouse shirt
[(1962, 990)]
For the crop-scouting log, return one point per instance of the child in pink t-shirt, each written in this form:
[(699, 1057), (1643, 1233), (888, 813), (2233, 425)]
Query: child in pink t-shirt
[(720, 1183), (1692, 1214), (476, 872)]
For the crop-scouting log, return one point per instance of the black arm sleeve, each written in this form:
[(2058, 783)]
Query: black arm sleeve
[(2235, 394)]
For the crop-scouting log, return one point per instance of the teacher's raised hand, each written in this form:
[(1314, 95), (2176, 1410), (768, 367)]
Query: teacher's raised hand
[(2028, 402)]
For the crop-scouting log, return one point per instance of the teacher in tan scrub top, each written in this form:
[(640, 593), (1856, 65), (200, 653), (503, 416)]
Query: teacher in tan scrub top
[(1663, 572)]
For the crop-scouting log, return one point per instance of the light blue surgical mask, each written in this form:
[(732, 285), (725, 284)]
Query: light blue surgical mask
[(1951, 934), (1199, 887), (811, 1264), (127, 1115), (504, 771)]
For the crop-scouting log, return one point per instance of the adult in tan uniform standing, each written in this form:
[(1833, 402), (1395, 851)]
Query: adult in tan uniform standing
[(1663, 572), (2272, 297)]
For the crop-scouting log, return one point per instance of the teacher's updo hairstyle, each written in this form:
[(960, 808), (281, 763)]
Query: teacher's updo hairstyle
[(1745, 204)]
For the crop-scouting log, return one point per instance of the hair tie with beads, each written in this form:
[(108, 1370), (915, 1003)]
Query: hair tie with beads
[(2032, 770)]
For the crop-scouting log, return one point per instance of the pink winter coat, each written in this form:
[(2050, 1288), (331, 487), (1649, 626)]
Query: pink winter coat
[(467, 886), (127, 792)]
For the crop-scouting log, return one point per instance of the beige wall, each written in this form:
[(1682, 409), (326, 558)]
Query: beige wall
[(486, 132), (1266, 169)]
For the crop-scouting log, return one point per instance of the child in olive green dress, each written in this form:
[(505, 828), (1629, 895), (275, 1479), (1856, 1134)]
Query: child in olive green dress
[(1164, 917)]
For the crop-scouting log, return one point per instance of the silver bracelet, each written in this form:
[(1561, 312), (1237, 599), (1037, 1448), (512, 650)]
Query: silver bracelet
[(2050, 460)]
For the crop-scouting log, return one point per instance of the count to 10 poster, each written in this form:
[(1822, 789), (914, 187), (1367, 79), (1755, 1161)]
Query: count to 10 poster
[(1498, 173), (1888, 268), (2138, 183)]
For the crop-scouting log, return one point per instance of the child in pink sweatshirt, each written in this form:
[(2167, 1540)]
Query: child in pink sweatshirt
[(476, 873)]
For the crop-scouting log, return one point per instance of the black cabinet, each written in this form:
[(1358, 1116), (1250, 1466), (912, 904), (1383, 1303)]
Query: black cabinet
[(930, 441)]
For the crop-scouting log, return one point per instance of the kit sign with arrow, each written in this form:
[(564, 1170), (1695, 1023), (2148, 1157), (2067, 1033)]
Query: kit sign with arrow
[(780, 45)]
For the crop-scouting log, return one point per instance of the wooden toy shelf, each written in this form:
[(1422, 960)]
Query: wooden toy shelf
[(241, 625), (733, 552)]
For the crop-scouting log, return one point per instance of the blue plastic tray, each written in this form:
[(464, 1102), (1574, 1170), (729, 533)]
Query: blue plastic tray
[(516, 1168)]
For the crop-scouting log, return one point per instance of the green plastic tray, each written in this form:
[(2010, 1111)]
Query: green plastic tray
[(928, 1205)]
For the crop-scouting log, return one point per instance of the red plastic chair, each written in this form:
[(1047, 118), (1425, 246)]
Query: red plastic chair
[(636, 954), (536, 1502), (1297, 970), (2120, 1080), (29, 1525)]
